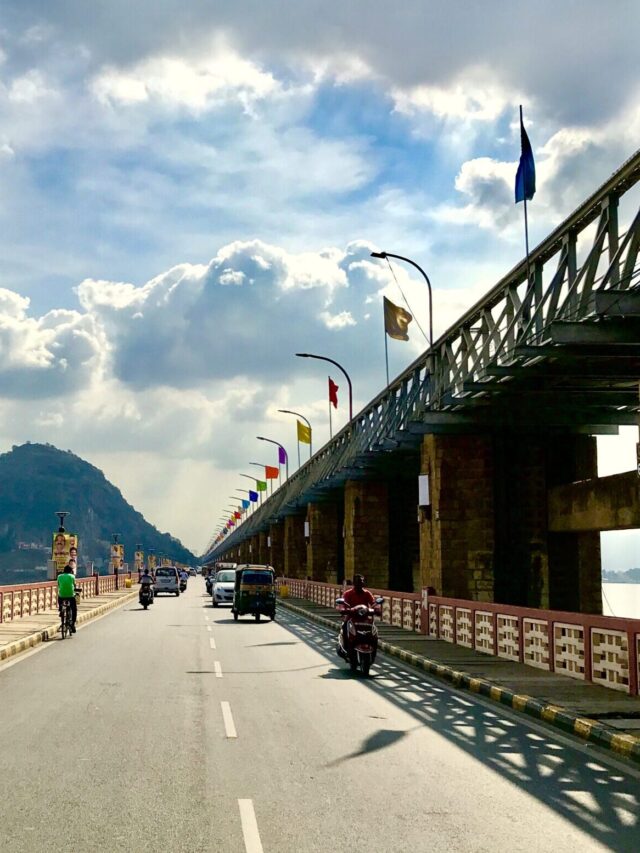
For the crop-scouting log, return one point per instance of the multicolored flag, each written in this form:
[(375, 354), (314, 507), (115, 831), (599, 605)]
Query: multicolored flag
[(333, 393), (271, 472), (396, 321), (304, 433)]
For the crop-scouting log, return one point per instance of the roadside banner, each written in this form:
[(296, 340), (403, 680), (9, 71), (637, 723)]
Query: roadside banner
[(64, 550), (117, 555)]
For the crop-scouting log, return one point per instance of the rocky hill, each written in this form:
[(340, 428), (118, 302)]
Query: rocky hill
[(38, 479)]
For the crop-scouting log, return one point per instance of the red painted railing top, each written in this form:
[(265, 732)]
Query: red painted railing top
[(592, 620), (386, 593)]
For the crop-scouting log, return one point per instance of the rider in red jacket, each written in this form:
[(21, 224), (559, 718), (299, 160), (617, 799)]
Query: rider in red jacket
[(358, 594)]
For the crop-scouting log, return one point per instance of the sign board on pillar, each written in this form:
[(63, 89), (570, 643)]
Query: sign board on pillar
[(268, 542), (424, 497), (307, 530)]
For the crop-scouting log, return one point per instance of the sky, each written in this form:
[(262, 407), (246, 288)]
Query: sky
[(191, 191)]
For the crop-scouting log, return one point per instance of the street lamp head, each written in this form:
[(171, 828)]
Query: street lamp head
[(382, 255), (261, 438), (303, 355)]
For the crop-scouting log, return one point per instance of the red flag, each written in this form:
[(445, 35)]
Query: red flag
[(237, 514), (333, 393), (271, 473)]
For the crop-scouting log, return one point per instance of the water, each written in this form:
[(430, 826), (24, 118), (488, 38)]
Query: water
[(621, 599)]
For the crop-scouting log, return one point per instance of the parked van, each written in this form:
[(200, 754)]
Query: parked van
[(167, 580)]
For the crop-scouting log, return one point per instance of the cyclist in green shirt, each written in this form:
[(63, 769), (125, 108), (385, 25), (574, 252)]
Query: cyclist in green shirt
[(67, 589)]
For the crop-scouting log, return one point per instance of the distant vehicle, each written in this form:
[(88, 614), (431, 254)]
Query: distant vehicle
[(192, 572), (223, 585), (184, 577), (167, 580)]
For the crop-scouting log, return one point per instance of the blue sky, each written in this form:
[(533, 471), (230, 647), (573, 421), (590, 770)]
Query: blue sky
[(191, 192)]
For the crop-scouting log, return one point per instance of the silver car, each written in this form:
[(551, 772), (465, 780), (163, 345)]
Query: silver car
[(223, 586)]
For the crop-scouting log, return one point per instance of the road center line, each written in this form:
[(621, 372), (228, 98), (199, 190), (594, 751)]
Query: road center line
[(212, 642), (209, 628), (229, 725), (252, 843), (218, 669)]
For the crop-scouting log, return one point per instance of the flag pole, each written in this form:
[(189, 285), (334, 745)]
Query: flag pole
[(386, 353), (526, 218), (330, 424)]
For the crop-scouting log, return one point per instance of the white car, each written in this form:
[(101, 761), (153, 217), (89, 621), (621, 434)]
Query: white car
[(167, 580), (223, 586)]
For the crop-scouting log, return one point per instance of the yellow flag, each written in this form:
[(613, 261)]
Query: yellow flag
[(396, 320), (304, 433)]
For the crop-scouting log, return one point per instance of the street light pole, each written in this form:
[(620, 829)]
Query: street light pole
[(255, 480), (298, 415), (340, 367), (384, 256), (286, 455)]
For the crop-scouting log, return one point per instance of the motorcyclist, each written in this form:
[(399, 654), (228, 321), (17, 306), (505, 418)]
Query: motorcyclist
[(356, 594), (146, 580)]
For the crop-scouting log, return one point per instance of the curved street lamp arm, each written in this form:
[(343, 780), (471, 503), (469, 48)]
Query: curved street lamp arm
[(385, 255), (340, 367)]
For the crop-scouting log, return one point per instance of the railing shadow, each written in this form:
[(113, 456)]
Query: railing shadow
[(595, 797)]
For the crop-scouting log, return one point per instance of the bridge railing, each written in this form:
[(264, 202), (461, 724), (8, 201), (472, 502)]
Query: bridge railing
[(20, 600), (400, 609), (603, 650)]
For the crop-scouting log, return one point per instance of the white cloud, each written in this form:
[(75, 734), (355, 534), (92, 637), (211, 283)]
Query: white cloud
[(179, 81)]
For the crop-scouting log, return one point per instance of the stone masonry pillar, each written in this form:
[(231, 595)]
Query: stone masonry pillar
[(456, 531), (295, 546), (254, 547), (263, 551), (366, 532), (276, 550), (324, 540)]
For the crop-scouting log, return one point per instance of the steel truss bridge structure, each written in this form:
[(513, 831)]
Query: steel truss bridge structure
[(555, 345)]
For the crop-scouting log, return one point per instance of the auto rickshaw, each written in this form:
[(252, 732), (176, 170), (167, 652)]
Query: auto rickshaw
[(254, 592)]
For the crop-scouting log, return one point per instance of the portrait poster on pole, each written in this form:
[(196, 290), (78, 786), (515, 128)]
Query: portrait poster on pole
[(64, 550)]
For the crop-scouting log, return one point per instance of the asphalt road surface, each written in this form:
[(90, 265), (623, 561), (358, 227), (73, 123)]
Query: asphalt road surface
[(178, 729)]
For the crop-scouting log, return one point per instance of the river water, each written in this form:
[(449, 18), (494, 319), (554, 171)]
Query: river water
[(621, 599)]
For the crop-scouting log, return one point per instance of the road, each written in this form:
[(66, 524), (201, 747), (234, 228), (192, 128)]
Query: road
[(178, 729)]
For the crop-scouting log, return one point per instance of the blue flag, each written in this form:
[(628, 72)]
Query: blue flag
[(526, 174), (245, 504), (253, 496)]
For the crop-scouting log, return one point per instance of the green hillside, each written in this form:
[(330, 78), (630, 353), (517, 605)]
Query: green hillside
[(38, 479)]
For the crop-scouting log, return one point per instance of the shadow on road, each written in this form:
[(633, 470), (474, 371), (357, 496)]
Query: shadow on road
[(594, 796)]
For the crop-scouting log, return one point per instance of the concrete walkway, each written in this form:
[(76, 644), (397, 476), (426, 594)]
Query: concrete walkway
[(597, 714), (21, 634)]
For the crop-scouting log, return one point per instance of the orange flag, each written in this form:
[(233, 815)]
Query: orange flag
[(271, 473)]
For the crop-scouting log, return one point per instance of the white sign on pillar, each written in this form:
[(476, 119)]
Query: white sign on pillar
[(424, 496)]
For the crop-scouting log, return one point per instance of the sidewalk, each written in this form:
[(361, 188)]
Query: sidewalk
[(20, 634), (596, 714)]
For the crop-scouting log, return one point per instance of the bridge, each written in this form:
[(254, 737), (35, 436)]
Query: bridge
[(500, 415)]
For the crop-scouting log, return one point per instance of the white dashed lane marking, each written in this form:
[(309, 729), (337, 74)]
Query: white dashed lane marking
[(229, 725), (252, 843), (212, 642), (218, 669)]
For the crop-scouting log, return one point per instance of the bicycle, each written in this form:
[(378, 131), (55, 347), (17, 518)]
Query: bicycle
[(66, 618)]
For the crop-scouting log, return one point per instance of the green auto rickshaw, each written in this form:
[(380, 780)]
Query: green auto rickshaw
[(254, 592)]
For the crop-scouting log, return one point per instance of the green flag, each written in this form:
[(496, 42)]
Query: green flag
[(261, 485)]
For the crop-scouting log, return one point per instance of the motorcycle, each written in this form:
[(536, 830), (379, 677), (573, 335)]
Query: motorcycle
[(146, 595), (361, 644), (183, 585)]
